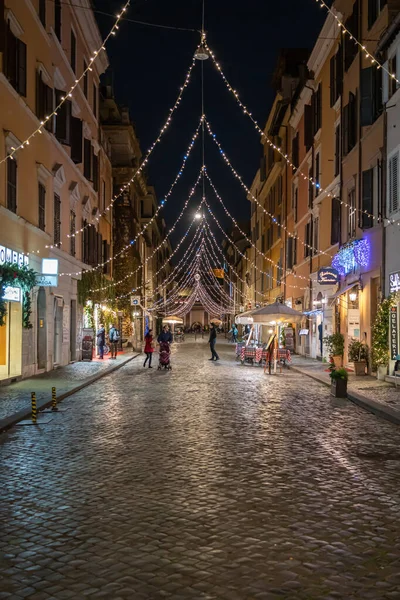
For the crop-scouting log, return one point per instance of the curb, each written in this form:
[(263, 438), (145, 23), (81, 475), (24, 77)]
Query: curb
[(378, 409), (9, 422)]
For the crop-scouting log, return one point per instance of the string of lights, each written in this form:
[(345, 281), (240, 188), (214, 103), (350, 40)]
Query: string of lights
[(253, 264), (252, 196), (76, 83), (278, 149), (373, 59), (126, 185), (243, 233), (226, 276)]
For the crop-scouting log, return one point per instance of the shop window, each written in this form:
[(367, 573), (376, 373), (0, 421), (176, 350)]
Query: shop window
[(73, 51), (42, 12), (42, 206), (12, 169), (393, 190), (72, 229), (57, 220), (15, 61), (374, 9), (57, 18)]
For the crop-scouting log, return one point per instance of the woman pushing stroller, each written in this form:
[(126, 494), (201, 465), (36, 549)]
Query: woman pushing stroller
[(165, 339)]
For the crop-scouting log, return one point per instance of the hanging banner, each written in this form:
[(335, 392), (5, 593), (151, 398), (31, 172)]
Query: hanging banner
[(394, 346)]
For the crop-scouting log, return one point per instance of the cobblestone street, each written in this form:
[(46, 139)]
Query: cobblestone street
[(213, 481)]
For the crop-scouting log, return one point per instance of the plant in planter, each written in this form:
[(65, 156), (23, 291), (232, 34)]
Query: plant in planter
[(339, 378), (358, 355), (380, 338), (335, 347)]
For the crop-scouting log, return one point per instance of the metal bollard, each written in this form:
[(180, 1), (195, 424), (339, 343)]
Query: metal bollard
[(34, 408), (53, 399)]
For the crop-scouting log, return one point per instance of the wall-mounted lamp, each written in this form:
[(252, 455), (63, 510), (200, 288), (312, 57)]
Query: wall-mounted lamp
[(353, 296)]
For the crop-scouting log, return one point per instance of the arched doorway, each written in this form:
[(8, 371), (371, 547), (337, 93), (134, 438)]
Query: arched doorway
[(41, 329)]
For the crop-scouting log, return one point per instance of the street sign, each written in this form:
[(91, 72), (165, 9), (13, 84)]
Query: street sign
[(394, 347), (135, 300)]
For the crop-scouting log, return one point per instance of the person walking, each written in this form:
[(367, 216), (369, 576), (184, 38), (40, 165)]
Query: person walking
[(165, 335), (148, 348), (212, 341), (113, 336), (101, 340)]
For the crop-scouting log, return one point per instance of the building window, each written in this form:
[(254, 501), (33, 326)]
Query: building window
[(316, 235), (72, 229), (12, 185), (57, 220), (42, 12), (295, 151), (350, 48), (57, 18), (103, 196), (374, 9), (63, 119), (351, 214), (317, 174), (393, 191), (85, 79), (289, 252), (371, 95), (87, 159), (44, 101), (15, 61), (42, 207), (95, 171), (307, 240), (73, 51), (95, 100), (295, 202), (393, 85), (337, 150), (336, 75), (335, 221), (349, 124), (316, 105), (367, 199), (310, 187)]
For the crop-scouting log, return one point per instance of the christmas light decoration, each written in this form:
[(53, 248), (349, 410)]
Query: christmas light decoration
[(68, 94), (352, 255), (278, 149)]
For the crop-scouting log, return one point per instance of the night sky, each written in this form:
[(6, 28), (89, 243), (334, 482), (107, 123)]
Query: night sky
[(150, 63)]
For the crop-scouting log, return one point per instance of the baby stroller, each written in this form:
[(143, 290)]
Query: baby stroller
[(164, 359)]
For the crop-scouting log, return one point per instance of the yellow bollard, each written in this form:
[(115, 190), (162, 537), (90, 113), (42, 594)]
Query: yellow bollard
[(34, 408), (53, 399)]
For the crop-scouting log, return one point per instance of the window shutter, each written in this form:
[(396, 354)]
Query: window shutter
[(87, 159), (289, 253), (63, 119), (11, 57), (352, 122), (393, 184), (95, 173), (367, 91), (372, 12), (319, 107), (57, 220), (76, 140), (21, 71), (367, 199), (294, 251), (12, 185), (335, 221), (337, 150), (2, 28), (308, 126), (339, 71), (333, 80), (57, 19), (99, 248), (91, 244), (49, 99)]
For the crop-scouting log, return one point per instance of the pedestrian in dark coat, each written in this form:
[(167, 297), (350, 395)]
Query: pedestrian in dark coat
[(212, 341), (101, 340), (148, 348)]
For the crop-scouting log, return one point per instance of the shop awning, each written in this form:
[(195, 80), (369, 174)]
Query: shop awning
[(343, 291)]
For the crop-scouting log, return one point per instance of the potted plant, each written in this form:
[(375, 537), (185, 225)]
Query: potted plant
[(335, 346), (358, 355), (339, 379)]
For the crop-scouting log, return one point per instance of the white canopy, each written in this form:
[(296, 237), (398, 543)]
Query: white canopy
[(244, 318), (276, 313)]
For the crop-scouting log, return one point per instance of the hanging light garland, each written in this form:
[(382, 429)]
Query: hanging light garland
[(278, 149), (68, 94)]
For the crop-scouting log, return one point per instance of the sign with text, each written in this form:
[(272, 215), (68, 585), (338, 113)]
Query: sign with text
[(394, 345), (7, 255), (12, 294), (47, 280), (394, 282), (328, 276)]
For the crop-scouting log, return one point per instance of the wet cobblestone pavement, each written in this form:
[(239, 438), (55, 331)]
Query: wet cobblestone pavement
[(213, 481)]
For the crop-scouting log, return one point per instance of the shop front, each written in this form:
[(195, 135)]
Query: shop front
[(11, 335)]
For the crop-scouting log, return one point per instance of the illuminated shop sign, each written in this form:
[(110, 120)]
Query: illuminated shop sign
[(328, 276), (394, 282), (8, 255), (394, 347), (351, 256), (12, 294), (49, 275)]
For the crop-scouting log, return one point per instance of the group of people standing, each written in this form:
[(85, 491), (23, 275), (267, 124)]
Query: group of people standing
[(113, 338), (165, 336)]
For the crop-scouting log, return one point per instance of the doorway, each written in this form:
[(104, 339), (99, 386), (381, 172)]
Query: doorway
[(11, 342), (72, 332), (58, 331), (41, 329)]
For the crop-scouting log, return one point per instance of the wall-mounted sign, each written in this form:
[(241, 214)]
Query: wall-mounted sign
[(303, 332), (394, 282), (47, 280), (351, 256), (394, 345), (7, 255), (12, 294), (135, 300), (328, 276), (49, 266)]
